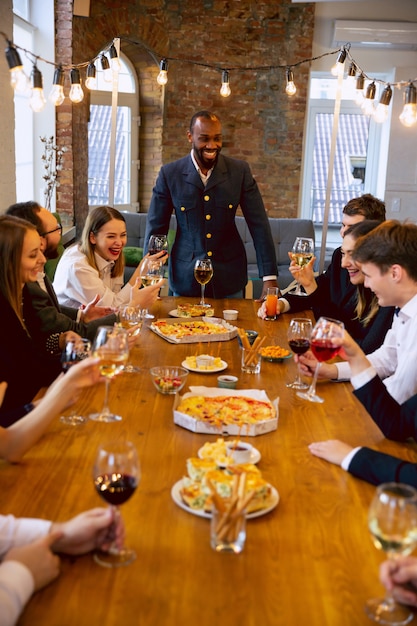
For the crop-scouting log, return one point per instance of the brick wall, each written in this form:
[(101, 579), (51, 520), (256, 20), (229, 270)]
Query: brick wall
[(260, 123)]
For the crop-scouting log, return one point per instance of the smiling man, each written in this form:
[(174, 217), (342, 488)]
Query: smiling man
[(388, 259), (205, 189)]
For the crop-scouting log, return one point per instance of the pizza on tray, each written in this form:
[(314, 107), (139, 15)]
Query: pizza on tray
[(179, 330), (218, 410), (194, 310)]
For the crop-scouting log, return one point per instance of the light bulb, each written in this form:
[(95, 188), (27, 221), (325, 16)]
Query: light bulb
[(225, 90), (351, 77), (56, 95), (339, 67), (76, 93), (162, 78), (91, 81), (105, 66), (290, 88), (368, 101), (408, 116), (18, 79), (381, 111), (114, 59), (360, 83), (37, 99)]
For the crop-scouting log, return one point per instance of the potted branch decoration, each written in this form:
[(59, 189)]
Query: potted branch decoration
[(52, 161)]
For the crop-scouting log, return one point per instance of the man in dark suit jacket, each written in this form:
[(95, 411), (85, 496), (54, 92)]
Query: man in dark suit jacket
[(205, 190), (45, 319), (398, 422)]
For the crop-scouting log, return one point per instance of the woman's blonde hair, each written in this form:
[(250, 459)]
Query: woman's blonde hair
[(12, 234), (95, 221)]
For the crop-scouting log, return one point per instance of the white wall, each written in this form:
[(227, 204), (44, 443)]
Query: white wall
[(401, 179), (7, 169)]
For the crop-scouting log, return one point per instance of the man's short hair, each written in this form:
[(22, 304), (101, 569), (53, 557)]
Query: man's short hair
[(207, 115), (28, 211), (368, 206), (390, 243)]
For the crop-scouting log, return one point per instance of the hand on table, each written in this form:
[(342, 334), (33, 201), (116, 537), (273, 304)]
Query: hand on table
[(333, 450), (38, 558), (96, 528), (399, 576)]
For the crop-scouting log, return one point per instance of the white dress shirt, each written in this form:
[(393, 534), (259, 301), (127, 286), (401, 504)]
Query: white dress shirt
[(396, 360), (16, 581), (77, 283)]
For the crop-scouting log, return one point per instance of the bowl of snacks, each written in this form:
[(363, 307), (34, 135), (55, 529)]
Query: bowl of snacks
[(275, 354), (168, 379)]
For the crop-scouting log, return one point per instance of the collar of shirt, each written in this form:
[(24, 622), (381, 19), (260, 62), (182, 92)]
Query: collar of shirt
[(104, 267), (409, 310), (41, 280), (204, 177)]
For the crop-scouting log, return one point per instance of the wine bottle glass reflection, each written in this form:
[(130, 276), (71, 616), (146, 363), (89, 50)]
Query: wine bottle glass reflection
[(392, 522), (157, 243), (323, 349), (111, 347), (302, 253), (116, 475), (203, 272), (299, 333), (131, 317), (151, 272), (74, 352)]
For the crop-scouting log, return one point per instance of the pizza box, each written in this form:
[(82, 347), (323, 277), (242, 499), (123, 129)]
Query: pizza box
[(197, 426), (226, 331)]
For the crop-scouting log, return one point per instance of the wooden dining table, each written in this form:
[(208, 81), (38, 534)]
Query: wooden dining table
[(308, 561)]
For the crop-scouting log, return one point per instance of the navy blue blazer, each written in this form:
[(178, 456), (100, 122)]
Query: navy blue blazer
[(398, 422), (206, 224)]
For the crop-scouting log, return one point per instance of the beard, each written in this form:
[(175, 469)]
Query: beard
[(201, 160), (51, 252)]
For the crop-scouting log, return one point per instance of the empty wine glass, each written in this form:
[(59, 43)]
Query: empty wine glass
[(302, 253), (151, 272), (111, 347), (392, 522), (203, 272), (299, 333), (116, 475), (323, 349), (74, 351), (131, 317), (157, 243)]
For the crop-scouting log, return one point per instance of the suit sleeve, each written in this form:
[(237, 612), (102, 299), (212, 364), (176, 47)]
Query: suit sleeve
[(160, 209), (377, 467)]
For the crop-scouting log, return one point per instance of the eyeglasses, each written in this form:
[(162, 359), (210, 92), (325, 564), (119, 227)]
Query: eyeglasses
[(59, 227)]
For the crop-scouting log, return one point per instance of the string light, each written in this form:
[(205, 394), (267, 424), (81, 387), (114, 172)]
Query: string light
[(114, 59), (225, 90), (368, 103), (105, 66), (37, 99), (351, 76), (360, 84), (339, 67), (56, 95), (290, 88), (381, 111), (91, 80), (18, 79), (408, 116), (76, 93), (163, 73)]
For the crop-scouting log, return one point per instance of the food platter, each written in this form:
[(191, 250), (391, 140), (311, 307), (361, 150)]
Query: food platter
[(255, 456), (187, 330), (176, 496), (205, 370)]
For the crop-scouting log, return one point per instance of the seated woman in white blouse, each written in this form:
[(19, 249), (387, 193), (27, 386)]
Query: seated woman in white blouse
[(96, 266)]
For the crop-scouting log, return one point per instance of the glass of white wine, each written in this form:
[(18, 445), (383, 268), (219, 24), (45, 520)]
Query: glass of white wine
[(392, 522), (151, 272), (302, 253), (203, 273), (111, 347), (130, 317)]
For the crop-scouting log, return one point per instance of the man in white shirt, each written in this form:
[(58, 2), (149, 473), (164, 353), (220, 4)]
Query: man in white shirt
[(388, 258), (28, 547)]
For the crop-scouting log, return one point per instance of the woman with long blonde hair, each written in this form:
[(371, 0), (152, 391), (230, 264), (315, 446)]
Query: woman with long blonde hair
[(96, 266)]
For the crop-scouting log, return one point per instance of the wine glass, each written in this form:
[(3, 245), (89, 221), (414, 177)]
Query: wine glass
[(74, 351), (203, 272), (302, 253), (157, 243), (116, 475), (111, 347), (151, 272), (130, 317), (392, 522), (299, 333), (323, 349)]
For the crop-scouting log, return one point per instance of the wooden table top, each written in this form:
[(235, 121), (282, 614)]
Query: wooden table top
[(310, 561)]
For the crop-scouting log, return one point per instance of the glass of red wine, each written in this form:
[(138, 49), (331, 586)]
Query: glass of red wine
[(157, 243), (74, 351), (299, 333), (116, 475), (321, 344)]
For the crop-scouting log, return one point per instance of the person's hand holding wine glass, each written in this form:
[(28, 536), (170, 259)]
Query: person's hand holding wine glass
[(301, 254), (116, 475), (392, 523), (75, 350), (323, 348), (299, 334), (203, 273), (151, 272)]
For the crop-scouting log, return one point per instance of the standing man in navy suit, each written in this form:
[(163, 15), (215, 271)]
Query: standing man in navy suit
[(205, 189)]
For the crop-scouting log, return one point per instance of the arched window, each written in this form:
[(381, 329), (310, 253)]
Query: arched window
[(127, 140)]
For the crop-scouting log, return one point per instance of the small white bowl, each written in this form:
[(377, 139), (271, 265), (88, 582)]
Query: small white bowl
[(240, 451), (230, 314), (204, 360)]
